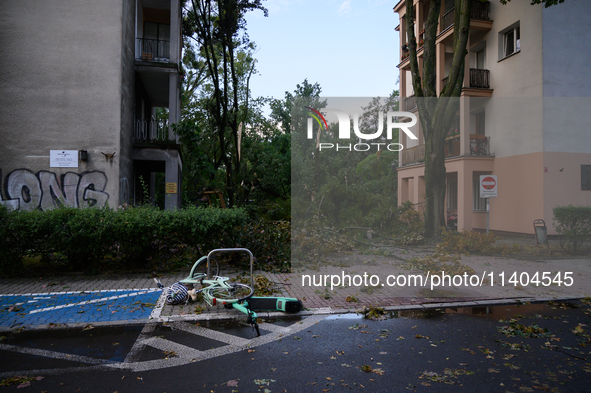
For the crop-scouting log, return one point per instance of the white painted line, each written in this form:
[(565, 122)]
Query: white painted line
[(166, 345), (76, 292), (150, 364), (54, 371), (92, 301), (54, 355), (274, 328), (212, 334), (137, 347), (186, 354), (157, 311), (216, 352)]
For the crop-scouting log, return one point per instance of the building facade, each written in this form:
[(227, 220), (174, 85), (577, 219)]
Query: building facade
[(88, 93), (524, 113)]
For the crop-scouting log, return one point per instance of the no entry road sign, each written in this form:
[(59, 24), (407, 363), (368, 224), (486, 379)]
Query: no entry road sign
[(488, 186)]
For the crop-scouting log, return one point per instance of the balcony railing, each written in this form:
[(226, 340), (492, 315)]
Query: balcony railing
[(479, 145), (412, 155), (479, 78), (479, 11), (452, 146), (150, 131), (410, 103), (152, 50), (447, 20)]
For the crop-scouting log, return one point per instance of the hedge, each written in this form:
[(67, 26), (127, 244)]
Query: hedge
[(93, 240), (573, 224)]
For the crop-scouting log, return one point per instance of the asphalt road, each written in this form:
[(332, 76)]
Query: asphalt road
[(531, 348)]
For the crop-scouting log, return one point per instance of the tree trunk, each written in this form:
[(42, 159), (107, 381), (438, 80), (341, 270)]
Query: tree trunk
[(435, 179), (436, 111)]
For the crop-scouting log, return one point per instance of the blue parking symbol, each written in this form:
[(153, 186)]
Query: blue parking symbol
[(76, 307)]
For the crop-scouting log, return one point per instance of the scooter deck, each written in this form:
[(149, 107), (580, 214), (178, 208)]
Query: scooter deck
[(285, 304)]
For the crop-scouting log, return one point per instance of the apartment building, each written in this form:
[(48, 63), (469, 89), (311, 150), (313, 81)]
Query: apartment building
[(89, 90), (524, 113)]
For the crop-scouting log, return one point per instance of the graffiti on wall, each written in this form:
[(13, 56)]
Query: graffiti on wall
[(26, 190)]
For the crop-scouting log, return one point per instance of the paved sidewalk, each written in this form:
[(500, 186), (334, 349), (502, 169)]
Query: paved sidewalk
[(121, 299)]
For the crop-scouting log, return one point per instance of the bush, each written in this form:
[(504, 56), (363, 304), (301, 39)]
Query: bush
[(93, 239), (10, 252), (270, 243), (573, 224)]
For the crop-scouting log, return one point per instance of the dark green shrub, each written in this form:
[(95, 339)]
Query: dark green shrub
[(269, 241), (573, 224), (93, 240), (11, 250)]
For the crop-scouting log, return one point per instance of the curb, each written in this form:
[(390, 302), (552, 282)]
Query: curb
[(231, 316)]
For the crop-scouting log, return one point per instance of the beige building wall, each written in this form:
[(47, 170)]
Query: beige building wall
[(61, 78), (538, 118)]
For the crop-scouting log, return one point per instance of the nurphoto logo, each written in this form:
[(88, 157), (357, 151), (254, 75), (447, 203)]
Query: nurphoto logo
[(393, 121)]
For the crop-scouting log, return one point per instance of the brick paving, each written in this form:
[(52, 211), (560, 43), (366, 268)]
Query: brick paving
[(133, 298)]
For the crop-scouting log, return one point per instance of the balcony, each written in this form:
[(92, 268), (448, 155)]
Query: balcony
[(150, 131), (152, 50), (410, 103), (479, 79), (479, 11), (412, 155), (479, 145), (452, 146)]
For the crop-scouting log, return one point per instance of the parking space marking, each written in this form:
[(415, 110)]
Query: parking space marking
[(54, 354), (34, 309), (212, 334)]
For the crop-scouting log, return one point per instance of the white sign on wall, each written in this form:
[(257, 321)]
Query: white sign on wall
[(488, 186), (63, 158)]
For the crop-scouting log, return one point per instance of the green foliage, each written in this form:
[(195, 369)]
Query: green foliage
[(11, 248), (342, 189), (218, 112), (374, 313), (311, 244), (410, 225), (94, 240), (467, 242), (573, 224), (547, 3), (269, 241)]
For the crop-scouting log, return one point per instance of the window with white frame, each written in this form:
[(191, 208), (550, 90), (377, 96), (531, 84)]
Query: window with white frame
[(509, 41)]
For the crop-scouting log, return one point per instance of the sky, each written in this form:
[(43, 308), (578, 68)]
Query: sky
[(349, 47)]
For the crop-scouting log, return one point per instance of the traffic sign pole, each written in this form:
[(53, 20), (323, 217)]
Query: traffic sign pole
[(488, 189), (487, 213)]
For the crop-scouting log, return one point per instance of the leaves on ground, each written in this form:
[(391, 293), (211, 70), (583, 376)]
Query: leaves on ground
[(21, 380), (449, 375), (515, 329)]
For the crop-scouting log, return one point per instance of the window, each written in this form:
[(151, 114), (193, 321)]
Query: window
[(452, 195), (156, 42), (479, 204), (480, 60), (585, 177), (480, 123), (509, 41)]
